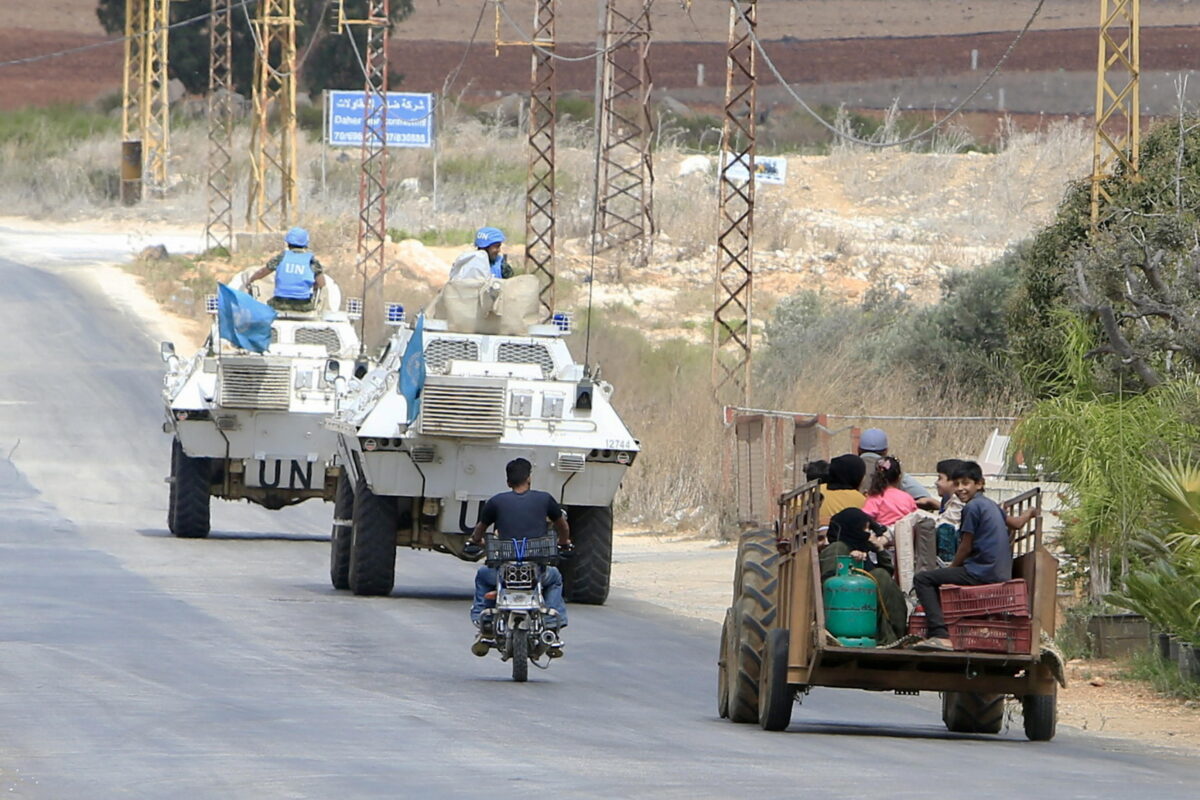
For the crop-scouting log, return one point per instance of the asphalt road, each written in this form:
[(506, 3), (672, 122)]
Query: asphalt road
[(133, 664)]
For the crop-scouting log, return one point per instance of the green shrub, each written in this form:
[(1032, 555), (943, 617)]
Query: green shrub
[(1162, 675), (41, 132)]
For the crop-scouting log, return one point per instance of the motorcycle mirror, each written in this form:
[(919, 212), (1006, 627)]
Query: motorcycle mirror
[(166, 350)]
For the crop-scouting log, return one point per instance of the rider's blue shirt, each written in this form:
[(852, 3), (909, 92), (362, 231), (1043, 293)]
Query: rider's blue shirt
[(520, 515)]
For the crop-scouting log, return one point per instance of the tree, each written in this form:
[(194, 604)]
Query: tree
[(325, 59), (1136, 280), (1099, 444)]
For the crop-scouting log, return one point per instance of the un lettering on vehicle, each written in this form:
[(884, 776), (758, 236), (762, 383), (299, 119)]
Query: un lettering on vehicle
[(280, 474)]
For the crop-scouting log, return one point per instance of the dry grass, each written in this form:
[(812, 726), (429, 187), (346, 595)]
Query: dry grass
[(867, 211)]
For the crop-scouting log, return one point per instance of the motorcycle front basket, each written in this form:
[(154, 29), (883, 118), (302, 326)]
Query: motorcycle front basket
[(541, 548)]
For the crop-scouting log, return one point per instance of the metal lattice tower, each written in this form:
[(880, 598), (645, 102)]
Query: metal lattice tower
[(145, 109), (372, 184), (218, 228), (539, 198), (1117, 135), (733, 309), (273, 152), (627, 170)]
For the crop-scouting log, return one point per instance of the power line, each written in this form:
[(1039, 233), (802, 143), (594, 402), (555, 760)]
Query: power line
[(107, 42), (620, 42), (906, 140), (451, 76)]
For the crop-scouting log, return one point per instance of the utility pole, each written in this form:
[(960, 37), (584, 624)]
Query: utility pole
[(372, 184), (145, 107), (273, 152), (1116, 140), (218, 228), (623, 109), (540, 202), (733, 308)]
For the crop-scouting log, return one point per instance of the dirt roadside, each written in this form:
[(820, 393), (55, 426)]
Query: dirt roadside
[(693, 577)]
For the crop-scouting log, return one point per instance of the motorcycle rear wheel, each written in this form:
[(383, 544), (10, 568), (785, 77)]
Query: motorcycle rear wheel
[(520, 655)]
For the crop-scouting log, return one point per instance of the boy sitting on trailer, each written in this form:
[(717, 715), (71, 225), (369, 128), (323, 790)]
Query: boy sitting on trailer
[(984, 553)]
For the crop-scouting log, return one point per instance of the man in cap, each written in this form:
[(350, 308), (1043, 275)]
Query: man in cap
[(297, 274), (485, 261), (872, 446)]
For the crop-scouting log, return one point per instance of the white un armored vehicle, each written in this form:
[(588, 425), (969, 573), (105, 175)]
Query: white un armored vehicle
[(496, 388), (247, 426)]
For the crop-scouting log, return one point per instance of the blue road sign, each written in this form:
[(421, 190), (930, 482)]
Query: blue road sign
[(409, 119)]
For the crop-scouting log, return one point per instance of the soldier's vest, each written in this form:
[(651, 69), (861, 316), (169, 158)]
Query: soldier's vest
[(294, 276)]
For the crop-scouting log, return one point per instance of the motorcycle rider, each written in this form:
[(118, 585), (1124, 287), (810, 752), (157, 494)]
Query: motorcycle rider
[(485, 261), (297, 273), (517, 514)]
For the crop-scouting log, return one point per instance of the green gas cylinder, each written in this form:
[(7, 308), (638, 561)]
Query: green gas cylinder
[(850, 604)]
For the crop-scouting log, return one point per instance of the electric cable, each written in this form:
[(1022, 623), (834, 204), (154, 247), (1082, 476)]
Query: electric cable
[(737, 6), (587, 340), (451, 77), (263, 57), (626, 36), (118, 40)]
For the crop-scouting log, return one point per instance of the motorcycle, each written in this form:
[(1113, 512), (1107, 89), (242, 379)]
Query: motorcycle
[(522, 631)]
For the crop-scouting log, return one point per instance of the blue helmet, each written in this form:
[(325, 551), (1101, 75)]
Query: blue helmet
[(486, 237), (296, 237)]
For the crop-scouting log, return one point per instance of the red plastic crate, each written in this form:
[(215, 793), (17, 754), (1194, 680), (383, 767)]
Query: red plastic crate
[(1013, 635), (918, 624), (1009, 598)]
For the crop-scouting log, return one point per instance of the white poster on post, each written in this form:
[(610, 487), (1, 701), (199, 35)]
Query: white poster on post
[(767, 169)]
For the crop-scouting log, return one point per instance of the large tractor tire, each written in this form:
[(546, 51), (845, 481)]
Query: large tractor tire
[(339, 537), (775, 697), (189, 501), (586, 574), (754, 612), (723, 661), (971, 712), (373, 543), (1041, 716)]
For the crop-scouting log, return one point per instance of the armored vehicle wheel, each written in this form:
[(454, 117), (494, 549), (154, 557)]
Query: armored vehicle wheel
[(586, 574), (373, 543), (1041, 716), (339, 537), (722, 665), (190, 497), (171, 484), (775, 697), (520, 655), (970, 712), (754, 612)]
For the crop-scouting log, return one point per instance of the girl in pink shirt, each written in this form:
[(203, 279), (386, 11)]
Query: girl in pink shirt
[(886, 501)]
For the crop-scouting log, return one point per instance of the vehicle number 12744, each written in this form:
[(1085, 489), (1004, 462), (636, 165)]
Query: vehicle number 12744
[(618, 444)]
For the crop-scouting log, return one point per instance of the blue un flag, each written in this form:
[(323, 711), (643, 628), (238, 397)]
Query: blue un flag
[(412, 369), (242, 320)]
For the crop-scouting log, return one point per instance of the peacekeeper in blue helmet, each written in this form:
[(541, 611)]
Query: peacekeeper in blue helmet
[(485, 261), (297, 273)]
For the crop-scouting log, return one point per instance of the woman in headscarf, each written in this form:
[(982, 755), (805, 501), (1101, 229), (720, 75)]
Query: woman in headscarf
[(850, 534), (841, 487)]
